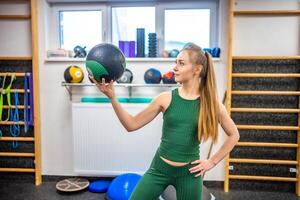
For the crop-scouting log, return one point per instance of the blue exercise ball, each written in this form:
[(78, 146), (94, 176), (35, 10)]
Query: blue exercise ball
[(152, 75), (122, 186)]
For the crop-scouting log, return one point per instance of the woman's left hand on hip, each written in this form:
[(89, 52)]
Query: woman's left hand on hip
[(201, 167)]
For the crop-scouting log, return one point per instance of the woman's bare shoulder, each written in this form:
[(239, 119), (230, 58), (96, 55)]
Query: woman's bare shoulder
[(164, 96), (163, 99)]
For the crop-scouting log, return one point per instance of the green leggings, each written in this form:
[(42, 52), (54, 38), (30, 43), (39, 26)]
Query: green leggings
[(161, 174)]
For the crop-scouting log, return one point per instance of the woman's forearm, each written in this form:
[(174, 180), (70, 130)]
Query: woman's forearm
[(125, 118), (225, 148)]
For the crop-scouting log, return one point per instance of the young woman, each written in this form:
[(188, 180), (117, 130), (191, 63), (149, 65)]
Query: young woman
[(191, 114)]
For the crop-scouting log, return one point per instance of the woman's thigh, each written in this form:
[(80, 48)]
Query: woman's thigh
[(151, 186), (188, 187)]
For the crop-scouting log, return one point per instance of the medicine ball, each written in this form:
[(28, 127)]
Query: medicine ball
[(152, 76), (127, 77), (174, 53), (105, 61), (73, 74), (169, 78)]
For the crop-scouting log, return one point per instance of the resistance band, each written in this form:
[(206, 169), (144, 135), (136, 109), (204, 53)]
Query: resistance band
[(1, 102), (14, 117), (31, 122), (7, 92), (1, 96), (26, 102)]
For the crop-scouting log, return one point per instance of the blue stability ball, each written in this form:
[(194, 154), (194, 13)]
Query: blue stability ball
[(122, 186), (152, 75)]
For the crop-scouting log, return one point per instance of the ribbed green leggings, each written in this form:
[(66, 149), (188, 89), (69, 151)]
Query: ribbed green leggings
[(161, 174)]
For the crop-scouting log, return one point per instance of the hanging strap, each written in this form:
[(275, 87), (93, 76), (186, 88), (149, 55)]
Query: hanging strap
[(7, 92), (1, 96), (26, 102), (1, 101), (31, 122), (14, 117)]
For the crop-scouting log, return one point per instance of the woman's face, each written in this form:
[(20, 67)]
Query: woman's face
[(184, 69)]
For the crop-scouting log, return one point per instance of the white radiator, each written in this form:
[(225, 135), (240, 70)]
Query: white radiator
[(102, 147)]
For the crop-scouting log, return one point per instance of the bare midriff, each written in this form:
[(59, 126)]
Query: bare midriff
[(176, 164)]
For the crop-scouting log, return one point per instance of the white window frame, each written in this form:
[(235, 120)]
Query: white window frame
[(55, 34), (127, 4), (160, 7), (212, 5)]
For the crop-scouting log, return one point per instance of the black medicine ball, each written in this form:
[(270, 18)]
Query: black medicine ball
[(105, 61)]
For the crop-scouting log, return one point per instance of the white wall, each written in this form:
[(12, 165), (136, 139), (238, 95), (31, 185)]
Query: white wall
[(250, 37)]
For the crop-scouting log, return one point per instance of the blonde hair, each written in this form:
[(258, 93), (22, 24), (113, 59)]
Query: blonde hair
[(208, 119)]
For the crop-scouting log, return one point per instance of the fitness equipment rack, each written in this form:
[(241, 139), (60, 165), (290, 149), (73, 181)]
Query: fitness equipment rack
[(230, 161), (33, 60)]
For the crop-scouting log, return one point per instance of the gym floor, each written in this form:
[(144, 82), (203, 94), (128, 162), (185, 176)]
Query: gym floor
[(24, 190)]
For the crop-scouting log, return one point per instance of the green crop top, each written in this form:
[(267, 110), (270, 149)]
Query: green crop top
[(179, 141)]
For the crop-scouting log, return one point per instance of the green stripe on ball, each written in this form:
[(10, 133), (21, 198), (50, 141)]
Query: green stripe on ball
[(96, 69)]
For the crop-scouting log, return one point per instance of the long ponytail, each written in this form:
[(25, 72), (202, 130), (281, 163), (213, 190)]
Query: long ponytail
[(208, 119)]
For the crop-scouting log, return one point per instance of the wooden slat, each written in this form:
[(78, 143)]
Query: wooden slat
[(263, 161), (13, 106), (262, 127), (247, 92), (23, 139), (264, 75), (262, 178), (14, 154), (17, 170), (16, 58), (265, 144), (18, 74), (265, 110), (19, 90), (10, 123), (14, 1), (266, 12), (15, 17), (36, 94), (266, 57)]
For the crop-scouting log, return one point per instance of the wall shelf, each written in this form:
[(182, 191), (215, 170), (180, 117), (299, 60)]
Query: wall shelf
[(60, 59), (129, 86)]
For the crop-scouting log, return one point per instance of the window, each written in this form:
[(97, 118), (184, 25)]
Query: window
[(74, 29), (181, 28), (125, 21), (174, 22)]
